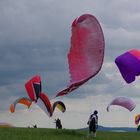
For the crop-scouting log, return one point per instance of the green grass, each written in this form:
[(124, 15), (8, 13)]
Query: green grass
[(53, 134)]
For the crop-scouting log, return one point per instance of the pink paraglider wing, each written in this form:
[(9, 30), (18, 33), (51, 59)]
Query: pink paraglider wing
[(124, 102), (86, 54)]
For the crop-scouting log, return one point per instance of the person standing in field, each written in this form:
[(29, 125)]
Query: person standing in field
[(93, 124), (138, 127), (58, 123)]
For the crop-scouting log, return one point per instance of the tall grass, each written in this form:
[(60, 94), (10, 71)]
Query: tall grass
[(52, 134)]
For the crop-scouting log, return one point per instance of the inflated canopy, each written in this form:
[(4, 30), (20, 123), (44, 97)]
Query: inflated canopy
[(33, 87), (86, 54), (137, 119), (44, 103), (21, 100), (123, 102), (129, 65), (60, 105)]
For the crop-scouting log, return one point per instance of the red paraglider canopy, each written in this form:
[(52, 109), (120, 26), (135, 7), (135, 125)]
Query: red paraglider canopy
[(86, 54), (33, 87)]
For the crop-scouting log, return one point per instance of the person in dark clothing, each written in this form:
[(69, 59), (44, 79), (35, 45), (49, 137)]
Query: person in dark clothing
[(93, 124), (138, 128), (58, 123), (35, 126)]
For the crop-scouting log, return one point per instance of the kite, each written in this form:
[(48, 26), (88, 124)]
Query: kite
[(86, 54), (44, 103), (60, 105), (23, 100), (33, 88), (123, 102), (137, 119), (129, 65)]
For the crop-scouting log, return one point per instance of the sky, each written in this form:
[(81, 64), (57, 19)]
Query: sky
[(35, 39)]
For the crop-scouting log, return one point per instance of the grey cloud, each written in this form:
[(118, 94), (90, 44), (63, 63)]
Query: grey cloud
[(24, 21), (121, 27)]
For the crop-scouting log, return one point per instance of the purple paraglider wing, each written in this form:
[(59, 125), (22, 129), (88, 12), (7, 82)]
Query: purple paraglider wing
[(86, 54), (124, 102), (129, 65)]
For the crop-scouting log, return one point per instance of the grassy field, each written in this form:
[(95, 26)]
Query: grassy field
[(52, 134)]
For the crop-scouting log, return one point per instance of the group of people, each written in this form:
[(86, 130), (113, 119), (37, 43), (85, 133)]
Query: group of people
[(32, 126), (92, 122)]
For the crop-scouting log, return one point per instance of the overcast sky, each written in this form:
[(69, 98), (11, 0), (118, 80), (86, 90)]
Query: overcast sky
[(35, 39)]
